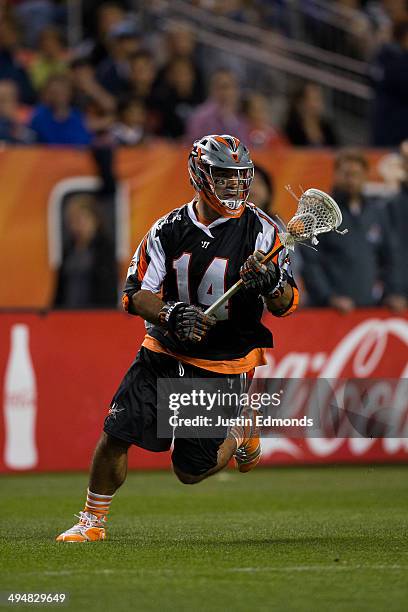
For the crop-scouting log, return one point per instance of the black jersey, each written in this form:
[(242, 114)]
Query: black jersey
[(190, 262)]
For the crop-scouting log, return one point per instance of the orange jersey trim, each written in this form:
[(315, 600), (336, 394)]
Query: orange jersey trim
[(276, 245), (267, 220), (142, 264), (255, 358)]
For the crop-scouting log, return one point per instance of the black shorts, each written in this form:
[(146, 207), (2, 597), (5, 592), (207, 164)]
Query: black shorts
[(133, 412)]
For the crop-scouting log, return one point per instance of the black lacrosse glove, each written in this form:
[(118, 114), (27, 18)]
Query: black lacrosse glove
[(262, 279), (187, 322)]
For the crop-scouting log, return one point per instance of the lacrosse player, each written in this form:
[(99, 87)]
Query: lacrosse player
[(187, 260)]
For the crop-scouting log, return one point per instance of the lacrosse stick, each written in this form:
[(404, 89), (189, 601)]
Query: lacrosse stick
[(317, 213)]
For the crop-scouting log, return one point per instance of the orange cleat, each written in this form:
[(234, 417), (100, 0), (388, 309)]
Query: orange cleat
[(89, 529), (249, 452)]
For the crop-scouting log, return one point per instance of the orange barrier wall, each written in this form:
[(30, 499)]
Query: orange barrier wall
[(155, 178)]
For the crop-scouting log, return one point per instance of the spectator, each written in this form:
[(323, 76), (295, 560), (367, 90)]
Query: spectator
[(89, 95), (306, 125), (141, 75), (55, 121), (220, 113), (51, 58), (181, 45), (108, 15), (339, 26), (10, 66), (346, 271), (390, 172), (383, 14), (140, 85), (261, 131), (262, 190), (36, 15), (398, 208), (274, 16), (114, 72), (98, 105), (87, 277), (357, 39), (11, 129), (177, 97), (130, 128), (390, 105)]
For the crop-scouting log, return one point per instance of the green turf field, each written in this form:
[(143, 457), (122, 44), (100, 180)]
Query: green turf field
[(279, 539)]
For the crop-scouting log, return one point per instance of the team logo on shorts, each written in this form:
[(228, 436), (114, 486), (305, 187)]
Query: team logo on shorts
[(114, 409)]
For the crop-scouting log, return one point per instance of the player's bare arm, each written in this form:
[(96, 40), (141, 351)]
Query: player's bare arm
[(147, 305)]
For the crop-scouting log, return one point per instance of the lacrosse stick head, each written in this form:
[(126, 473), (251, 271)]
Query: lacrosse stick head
[(317, 213)]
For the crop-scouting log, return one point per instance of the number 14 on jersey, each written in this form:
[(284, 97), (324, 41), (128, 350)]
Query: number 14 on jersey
[(211, 287)]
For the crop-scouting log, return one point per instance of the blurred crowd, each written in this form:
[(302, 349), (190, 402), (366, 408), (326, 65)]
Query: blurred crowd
[(118, 87), (128, 83)]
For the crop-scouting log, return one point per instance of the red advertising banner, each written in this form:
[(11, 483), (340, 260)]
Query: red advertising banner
[(58, 372)]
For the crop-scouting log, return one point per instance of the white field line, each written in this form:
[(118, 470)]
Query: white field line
[(249, 570), (307, 568)]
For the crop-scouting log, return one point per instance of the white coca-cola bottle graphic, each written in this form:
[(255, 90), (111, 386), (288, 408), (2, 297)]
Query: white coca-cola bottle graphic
[(20, 403)]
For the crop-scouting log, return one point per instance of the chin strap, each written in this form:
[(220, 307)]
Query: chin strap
[(222, 210)]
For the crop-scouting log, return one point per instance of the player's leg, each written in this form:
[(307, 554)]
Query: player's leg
[(191, 458), (197, 459), (247, 437), (107, 474), (109, 465), (131, 420)]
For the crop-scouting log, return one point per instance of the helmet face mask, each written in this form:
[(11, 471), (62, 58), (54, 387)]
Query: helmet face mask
[(221, 171), (231, 186)]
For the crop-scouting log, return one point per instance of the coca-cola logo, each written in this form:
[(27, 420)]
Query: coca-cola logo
[(372, 349), (363, 352)]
